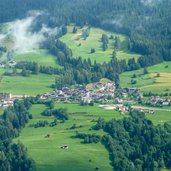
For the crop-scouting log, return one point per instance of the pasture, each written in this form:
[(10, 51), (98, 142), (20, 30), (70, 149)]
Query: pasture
[(40, 56), (81, 47), (160, 117), (47, 152), (31, 85), (158, 80)]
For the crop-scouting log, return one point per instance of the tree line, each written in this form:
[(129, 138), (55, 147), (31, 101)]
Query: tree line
[(146, 24), (134, 143), (13, 156)]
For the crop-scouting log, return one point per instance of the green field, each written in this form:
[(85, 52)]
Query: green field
[(160, 117), (46, 151), (150, 81), (42, 57), (32, 85), (94, 41), (1, 111)]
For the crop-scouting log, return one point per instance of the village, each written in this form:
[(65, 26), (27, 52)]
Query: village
[(96, 92), (108, 98), (103, 93)]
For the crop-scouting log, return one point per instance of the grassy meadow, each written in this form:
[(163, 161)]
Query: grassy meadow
[(150, 82), (160, 117), (31, 85), (81, 47), (40, 56), (47, 152)]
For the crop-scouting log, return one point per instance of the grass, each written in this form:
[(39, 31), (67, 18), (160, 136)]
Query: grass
[(160, 117), (32, 85), (46, 151), (150, 81), (94, 41), (1, 111), (42, 57)]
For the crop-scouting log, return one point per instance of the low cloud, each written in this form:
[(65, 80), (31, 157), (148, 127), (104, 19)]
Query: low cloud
[(22, 36), (150, 2)]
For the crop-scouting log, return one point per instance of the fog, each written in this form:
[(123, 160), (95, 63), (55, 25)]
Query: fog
[(23, 38), (150, 2)]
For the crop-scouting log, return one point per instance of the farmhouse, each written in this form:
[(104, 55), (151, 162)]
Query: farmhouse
[(5, 100), (151, 111), (157, 99), (2, 66), (11, 63), (64, 147)]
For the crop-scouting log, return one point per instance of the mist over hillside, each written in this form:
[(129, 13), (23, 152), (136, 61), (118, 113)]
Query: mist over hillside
[(22, 35)]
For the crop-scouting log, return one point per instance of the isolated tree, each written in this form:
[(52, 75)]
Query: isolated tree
[(93, 50), (104, 46), (64, 30), (74, 30), (117, 43), (105, 39)]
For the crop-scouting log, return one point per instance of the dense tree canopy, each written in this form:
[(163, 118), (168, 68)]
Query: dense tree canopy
[(147, 23), (14, 157), (134, 143)]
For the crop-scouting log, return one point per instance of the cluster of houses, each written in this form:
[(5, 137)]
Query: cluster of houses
[(9, 64), (158, 100), (143, 109), (98, 92), (6, 100)]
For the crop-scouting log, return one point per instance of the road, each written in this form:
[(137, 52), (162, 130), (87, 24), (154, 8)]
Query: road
[(151, 108)]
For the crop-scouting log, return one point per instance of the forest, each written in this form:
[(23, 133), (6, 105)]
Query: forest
[(13, 156), (134, 143), (146, 23)]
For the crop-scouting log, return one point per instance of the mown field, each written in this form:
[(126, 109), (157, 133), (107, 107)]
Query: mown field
[(31, 85), (81, 47), (40, 56), (47, 152), (158, 80)]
